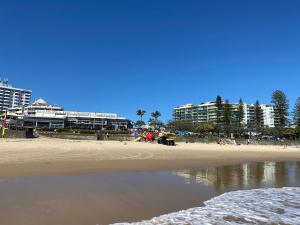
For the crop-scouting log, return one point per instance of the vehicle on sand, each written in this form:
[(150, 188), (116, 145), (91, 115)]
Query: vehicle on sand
[(166, 138)]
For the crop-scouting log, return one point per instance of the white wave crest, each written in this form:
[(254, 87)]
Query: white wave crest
[(258, 206)]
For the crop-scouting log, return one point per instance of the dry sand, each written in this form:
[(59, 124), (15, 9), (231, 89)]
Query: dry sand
[(48, 156)]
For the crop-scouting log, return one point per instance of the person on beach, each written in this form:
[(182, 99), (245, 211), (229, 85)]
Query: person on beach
[(151, 137), (248, 141), (99, 135), (147, 136)]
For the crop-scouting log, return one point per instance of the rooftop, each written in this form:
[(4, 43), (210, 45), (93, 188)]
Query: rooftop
[(5, 84)]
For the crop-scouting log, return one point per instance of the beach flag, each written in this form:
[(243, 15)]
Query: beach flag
[(4, 125), (3, 131)]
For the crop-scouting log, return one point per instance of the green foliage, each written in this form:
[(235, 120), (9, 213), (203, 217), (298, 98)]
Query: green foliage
[(205, 128), (257, 115), (87, 131), (227, 113), (154, 120), (140, 123), (181, 125), (238, 131), (289, 133), (156, 114), (219, 106), (155, 123), (268, 131), (297, 112), (240, 112), (281, 107), (297, 131), (141, 113), (63, 130)]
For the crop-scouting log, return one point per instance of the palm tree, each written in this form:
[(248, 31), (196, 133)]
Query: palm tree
[(156, 114), (141, 113)]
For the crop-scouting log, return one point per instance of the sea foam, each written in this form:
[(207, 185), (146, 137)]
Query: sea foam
[(258, 206)]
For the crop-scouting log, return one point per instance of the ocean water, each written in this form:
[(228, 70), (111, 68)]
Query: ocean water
[(257, 206)]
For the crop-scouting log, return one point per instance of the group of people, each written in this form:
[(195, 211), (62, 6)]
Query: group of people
[(144, 135), (149, 136)]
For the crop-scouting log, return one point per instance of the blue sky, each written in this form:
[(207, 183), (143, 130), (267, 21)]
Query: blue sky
[(119, 56)]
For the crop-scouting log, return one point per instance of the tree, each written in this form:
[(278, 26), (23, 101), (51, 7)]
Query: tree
[(155, 123), (139, 123), (219, 106), (297, 112), (181, 125), (227, 116), (281, 107), (289, 133), (205, 128), (140, 113), (257, 115), (297, 131), (155, 115), (240, 112), (268, 131)]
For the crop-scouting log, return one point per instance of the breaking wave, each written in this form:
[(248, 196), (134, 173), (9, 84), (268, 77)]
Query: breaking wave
[(258, 206)]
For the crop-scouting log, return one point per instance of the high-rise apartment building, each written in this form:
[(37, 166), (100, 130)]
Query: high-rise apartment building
[(207, 113), (12, 97)]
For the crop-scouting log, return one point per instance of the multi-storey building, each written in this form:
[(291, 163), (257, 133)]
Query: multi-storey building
[(43, 115), (207, 113), (202, 113), (12, 97)]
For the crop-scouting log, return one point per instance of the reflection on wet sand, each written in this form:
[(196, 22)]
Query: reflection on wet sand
[(274, 174), (106, 198)]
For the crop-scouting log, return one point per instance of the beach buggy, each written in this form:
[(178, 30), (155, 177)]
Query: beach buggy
[(166, 138)]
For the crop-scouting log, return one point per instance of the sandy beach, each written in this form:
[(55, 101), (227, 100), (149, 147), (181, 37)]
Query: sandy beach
[(48, 156), (56, 181)]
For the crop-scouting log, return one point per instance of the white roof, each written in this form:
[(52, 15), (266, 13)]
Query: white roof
[(40, 102)]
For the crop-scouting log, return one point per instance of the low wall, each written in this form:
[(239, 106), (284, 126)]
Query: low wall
[(19, 134), (89, 137)]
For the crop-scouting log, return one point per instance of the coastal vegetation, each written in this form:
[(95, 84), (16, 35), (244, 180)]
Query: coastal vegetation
[(140, 113)]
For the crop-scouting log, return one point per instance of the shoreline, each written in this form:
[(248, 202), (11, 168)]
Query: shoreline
[(50, 156)]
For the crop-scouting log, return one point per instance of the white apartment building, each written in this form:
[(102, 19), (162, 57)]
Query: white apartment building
[(12, 97), (207, 113), (268, 115), (202, 113)]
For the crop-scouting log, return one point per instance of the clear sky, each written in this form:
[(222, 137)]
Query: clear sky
[(119, 56)]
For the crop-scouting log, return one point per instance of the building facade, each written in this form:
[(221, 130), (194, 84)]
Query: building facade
[(207, 113), (12, 97), (45, 116), (202, 113)]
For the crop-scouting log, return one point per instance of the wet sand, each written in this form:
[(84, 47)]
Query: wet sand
[(105, 198), (49, 156)]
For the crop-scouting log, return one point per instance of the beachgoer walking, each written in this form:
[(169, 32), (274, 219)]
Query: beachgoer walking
[(248, 141)]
